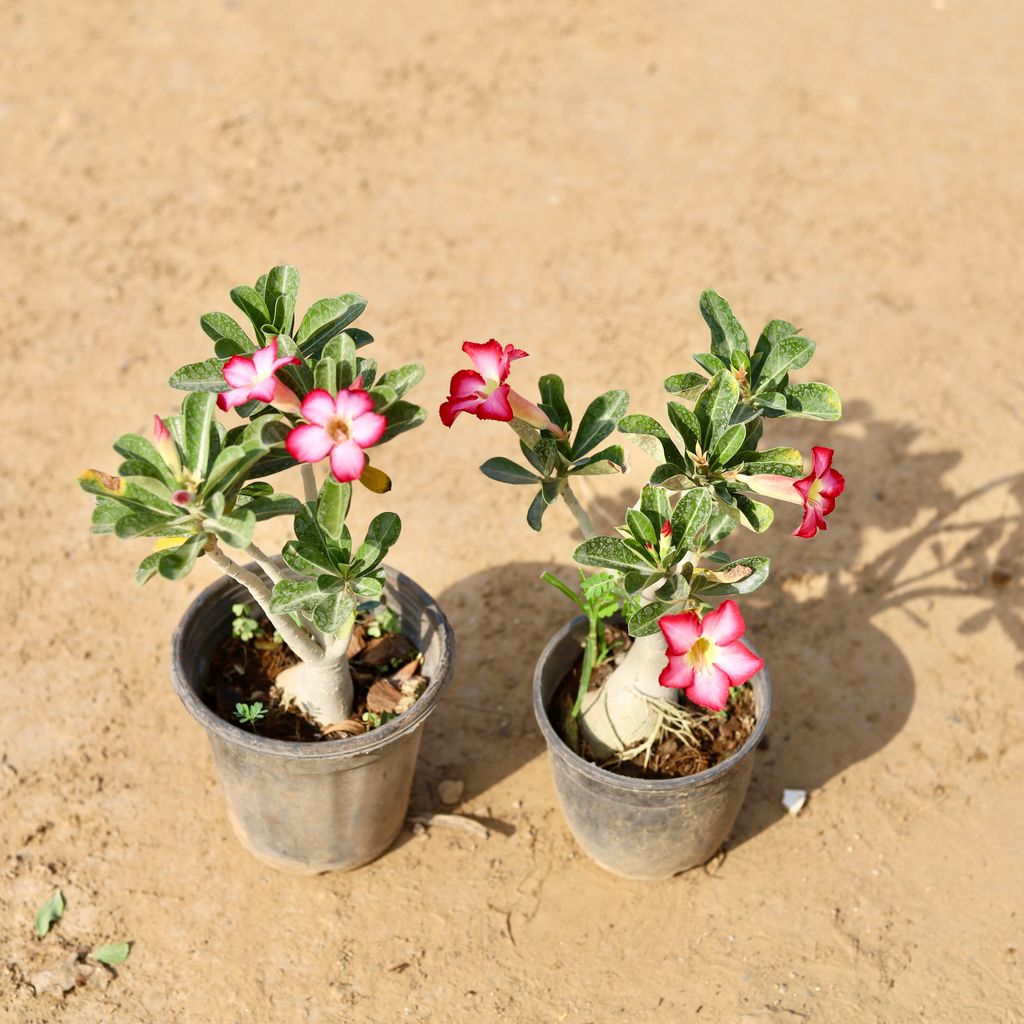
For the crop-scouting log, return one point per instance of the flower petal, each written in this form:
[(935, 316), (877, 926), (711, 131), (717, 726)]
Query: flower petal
[(822, 459), (710, 688), (833, 483), (677, 674), (368, 428), (803, 487), (318, 407), (496, 406), (809, 525), (724, 625), (236, 396), (263, 359), (347, 461), (466, 383), (488, 357), (525, 410), (450, 409), (772, 485), (352, 403), (308, 443), (737, 662), (239, 371), (680, 632), (263, 390)]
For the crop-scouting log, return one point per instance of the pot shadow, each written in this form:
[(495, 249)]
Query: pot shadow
[(843, 686)]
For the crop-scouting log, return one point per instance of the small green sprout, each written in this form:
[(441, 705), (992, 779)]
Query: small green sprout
[(49, 913), (250, 714), (243, 625), (375, 720), (384, 621)]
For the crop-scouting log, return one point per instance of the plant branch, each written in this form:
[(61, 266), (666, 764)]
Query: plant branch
[(265, 562), (297, 639), (582, 519)]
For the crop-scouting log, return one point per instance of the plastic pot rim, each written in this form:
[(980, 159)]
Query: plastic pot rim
[(351, 746), (558, 746)]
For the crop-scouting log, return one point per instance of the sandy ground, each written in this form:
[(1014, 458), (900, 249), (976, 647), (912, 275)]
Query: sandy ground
[(568, 177)]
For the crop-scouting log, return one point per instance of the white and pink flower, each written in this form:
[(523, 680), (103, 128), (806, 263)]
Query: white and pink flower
[(339, 426), (705, 657), (253, 379), (165, 447), (817, 491), (484, 393)]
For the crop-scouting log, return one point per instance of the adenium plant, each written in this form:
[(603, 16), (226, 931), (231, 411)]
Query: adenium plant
[(291, 395), (665, 567)]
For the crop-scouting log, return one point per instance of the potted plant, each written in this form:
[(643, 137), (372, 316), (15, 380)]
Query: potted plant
[(312, 671), (644, 699)]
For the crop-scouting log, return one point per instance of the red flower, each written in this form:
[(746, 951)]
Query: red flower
[(819, 490), (340, 426), (484, 393), (705, 656)]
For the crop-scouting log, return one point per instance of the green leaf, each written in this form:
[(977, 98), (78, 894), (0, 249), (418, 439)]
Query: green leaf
[(552, 400), (780, 461), (726, 333), (610, 553), (252, 304), (205, 376), (712, 364), (271, 505), (688, 385), (138, 448), (402, 416), (141, 523), (644, 622), (720, 525), (49, 913), (235, 528), (148, 567), (403, 379), (292, 595), (307, 559), (726, 580), (654, 503), (728, 445), (774, 332), (325, 374), (770, 400), (784, 356), (282, 287), (332, 611), (332, 507), (686, 424), (690, 516), (641, 528), (111, 953), (608, 460), (715, 406), (381, 536), (599, 421), (326, 318), (740, 362), (507, 472), (106, 514), (197, 412), (176, 563), (642, 427), (756, 514), (366, 370), (341, 350), (228, 337), (383, 397), (535, 513), (813, 401)]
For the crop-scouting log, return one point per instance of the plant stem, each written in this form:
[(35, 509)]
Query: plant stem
[(297, 639), (265, 562), (582, 519), (309, 488)]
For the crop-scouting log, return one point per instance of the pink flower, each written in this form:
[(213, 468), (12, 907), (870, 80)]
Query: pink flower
[(817, 491), (484, 393), (705, 656), (666, 530), (253, 379), (341, 427)]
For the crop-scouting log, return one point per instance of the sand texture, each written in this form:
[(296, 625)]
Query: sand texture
[(566, 176)]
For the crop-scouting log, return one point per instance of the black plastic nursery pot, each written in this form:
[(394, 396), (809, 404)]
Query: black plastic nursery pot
[(332, 805), (644, 829)]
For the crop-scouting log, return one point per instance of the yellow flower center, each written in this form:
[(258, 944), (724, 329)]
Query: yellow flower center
[(701, 656), (338, 429)]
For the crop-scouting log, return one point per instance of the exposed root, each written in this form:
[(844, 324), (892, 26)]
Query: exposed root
[(671, 719)]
